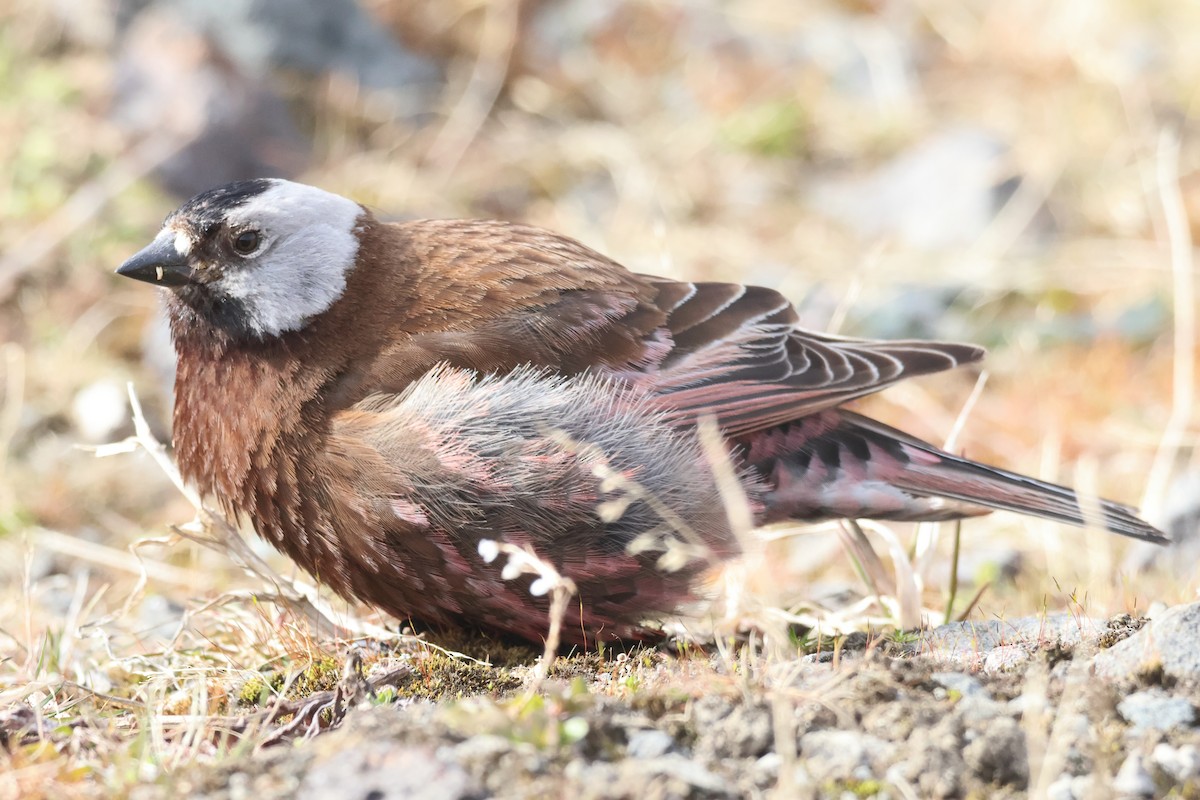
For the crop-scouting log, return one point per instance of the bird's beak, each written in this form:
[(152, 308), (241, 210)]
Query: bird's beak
[(159, 262)]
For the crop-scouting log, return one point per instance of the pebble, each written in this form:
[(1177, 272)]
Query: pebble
[(1171, 640), (386, 771), (1008, 657), (1132, 779), (1154, 709), (1181, 763), (843, 755), (99, 410), (651, 743), (965, 685)]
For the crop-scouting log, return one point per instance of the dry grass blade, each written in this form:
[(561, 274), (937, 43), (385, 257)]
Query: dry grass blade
[(548, 581), (1183, 383), (498, 37)]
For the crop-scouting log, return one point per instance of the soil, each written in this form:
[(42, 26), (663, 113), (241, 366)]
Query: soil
[(884, 721)]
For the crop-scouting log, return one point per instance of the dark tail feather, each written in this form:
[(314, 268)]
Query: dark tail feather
[(841, 464)]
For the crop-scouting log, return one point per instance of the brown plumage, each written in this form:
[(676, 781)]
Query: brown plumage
[(325, 390)]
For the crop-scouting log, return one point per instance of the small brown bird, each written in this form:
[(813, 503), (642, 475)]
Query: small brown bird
[(379, 397)]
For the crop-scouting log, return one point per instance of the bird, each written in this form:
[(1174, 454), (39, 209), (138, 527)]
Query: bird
[(378, 398)]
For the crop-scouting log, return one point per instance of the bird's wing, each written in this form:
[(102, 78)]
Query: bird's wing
[(738, 354), (492, 296)]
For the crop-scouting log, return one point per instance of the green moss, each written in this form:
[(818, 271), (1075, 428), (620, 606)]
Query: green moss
[(440, 677), (865, 788), (777, 128), (320, 675)]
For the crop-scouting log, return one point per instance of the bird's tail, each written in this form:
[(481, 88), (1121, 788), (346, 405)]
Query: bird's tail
[(840, 464)]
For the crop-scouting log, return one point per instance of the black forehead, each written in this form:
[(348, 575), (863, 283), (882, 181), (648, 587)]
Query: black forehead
[(208, 209)]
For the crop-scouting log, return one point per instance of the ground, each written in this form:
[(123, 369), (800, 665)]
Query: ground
[(1024, 176)]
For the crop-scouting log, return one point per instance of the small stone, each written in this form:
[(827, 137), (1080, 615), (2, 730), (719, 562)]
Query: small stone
[(99, 410), (385, 770), (1060, 789), (1132, 779), (941, 193), (651, 743), (965, 685), (741, 731), (1171, 640), (843, 755), (1181, 763), (999, 755), (1084, 786), (766, 769), (996, 645), (1154, 709), (1002, 659)]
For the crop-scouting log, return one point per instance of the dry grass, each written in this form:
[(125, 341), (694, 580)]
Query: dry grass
[(674, 153)]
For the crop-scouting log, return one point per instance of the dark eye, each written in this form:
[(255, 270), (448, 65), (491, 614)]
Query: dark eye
[(247, 242)]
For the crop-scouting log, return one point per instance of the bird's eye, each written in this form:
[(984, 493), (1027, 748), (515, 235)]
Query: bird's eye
[(247, 242)]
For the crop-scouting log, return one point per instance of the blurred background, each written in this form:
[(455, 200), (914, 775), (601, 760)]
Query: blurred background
[(1024, 175)]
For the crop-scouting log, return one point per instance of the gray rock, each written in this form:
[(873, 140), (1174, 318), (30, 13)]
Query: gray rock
[(1081, 787), (651, 743), (965, 685), (1132, 779), (941, 193), (844, 755), (974, 705), (745, 732), (314, 36), (171, 83), (765, 771), (1154, 709), (1180, 520), (670, 776), (1170, 640), (932, 759), (99, 410), (1007, 657), (387, 771), (998, 754), (483, 749), (1060, 789), (996, 645), (1182, 764)]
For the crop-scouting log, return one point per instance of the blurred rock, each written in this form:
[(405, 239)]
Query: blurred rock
[(99, 410), (999, 755), (1132, 779), (312, 36), (1154, 709), (1180, 520), (844, 755), (203, 75), (159, 617), (907, 311), (651, 743), (1182, 763), (387, 771), (316, 37), (997, 644), (1170, 642), (868, 57), (942, 193), (173, 84)]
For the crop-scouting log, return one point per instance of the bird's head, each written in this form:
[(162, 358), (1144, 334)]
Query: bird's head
[(256, 258)]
